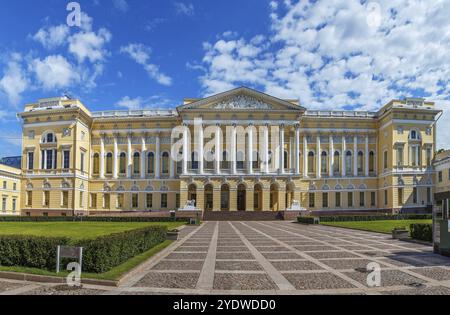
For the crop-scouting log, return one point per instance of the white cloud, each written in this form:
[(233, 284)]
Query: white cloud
[(141, 54), (184, 8), (152, 102), (121, 5), (53, 36), (89, 45), (330, 54), (130, 103), (54, 72), (14, 81)]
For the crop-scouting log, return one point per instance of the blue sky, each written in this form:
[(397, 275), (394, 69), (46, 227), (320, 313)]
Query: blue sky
[(330, 54)]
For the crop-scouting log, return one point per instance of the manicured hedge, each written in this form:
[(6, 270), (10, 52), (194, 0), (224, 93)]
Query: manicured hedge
[(422, 232), (346, 218), (99, 255), (91, 219), (30, 251), (103, 253), (308, 220)]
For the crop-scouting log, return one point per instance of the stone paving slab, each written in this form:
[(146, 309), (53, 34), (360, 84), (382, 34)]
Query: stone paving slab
[(169, 280), (238, 265), (179, 265), (317, 281), (7, 286), (243, 282)]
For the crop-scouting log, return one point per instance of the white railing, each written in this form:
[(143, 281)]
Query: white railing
[(135, 113)]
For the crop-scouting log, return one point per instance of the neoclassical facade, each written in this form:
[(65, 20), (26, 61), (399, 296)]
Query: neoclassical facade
[(241, 150)]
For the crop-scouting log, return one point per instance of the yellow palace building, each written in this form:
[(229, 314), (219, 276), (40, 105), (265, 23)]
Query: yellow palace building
[(260, 154)]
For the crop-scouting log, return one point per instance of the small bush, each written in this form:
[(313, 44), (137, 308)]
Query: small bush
[(346, 218), (422, 232), (30, 251), (308, 220)]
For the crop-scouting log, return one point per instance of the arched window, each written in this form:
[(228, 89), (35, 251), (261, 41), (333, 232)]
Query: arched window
[(109, 158), (96, 161), (122, 163), (165, 163), (49, 137), (324, 162), (360, 162), (371, 161), (348, 163), (151, 163), (311, 162), (136, 163), (337, 163), (414, 135)]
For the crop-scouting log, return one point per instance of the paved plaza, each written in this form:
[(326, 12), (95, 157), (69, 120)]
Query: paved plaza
[(275, 258)]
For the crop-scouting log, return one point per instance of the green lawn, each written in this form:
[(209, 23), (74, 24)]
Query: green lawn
[(76, 230), (376, 226)]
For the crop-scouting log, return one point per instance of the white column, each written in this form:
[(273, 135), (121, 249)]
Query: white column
[(185, 150), (201, 153), (367, 156), (218, 151), (331, 167), (171, 162), (297, 150), (102, 156), (158, 156), (355, 155), (343, 157), (115, 157), (318, 158), (305, 156), (250, 150), (266, 149), (143, 154), (281, 140), (416, 149), (129, 158), (233, 151)]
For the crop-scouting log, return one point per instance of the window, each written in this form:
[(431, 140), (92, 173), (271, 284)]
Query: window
[(362, 201), (48, 159), (94, 201), (134, 201), (372, 198), (429, 153), (371, 162), (194, 160), (30, 161), (82, 161), (149, 201), (324, 162), (312, 200), (256, 160), (46, 198), (285, 160), (348, 163), (81, 199), (338, 200), (31, 134), (65, 198), (4, 204), (415, 195), (4, 184), (325, 200), (386, 199), (96, 164), (400, 156), (120, 198), (337, 163), (350, 199), (385, 159), (29, 198), (414, 135), (49, 138), (14, 186), (163, 201), (177, 201), (360, 162), (136, 163), (440, 176), (400, 196), (165, 163), (14, 204), (107, 201), (109, 162), (66, 159), (415, 155), (311, 162), (122, 163), (151, 163), (448, 174)]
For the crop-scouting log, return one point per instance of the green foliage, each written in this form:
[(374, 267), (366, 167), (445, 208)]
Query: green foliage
[(308, 220), (30, 251), (350, 218), (91, 219), (422, 232)]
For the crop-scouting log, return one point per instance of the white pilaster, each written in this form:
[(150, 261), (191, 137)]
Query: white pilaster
[(115, 158), (266, 149), (201, 153), (250, 150), (218, 150), (233, 151), (297, 150), (366, 168), (331, 167), (171, 162), (281, 140), (319, 158), (355, 156), (185, 150), (129, 157), (102, 156), (344, 151), (158, 156), (305, 156), (143, 154)]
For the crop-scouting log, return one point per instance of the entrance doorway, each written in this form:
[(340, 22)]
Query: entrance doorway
[(241, 197), (257, 198), (225, 198), (209, 197), (192, 193), (274, 197)]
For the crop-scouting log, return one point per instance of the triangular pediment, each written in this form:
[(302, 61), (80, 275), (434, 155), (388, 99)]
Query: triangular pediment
[(241, 99)]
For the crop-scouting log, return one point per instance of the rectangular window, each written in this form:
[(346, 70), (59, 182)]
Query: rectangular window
[(30, 161), (386, 200), (5, 184), (14, 186), (107, 201), (66, 159), (400, 156), (415, 195), (312, 203), (81, 199), (120, 198), (338, 200), (372, 198), (440, 176), (177, 201), (362, 201), (65, 198), (46, 198), (49, 159), (350, 199), (82, 161), (163, 201), (400, 196), (325, 200), (4, 204), (29, 198), (385, 159), (94, 201), (14, 204), (149, 201), (134, 201), (429, 153)]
